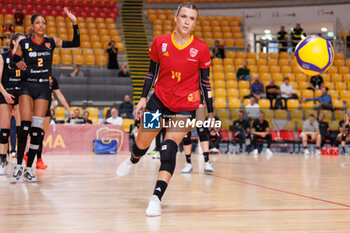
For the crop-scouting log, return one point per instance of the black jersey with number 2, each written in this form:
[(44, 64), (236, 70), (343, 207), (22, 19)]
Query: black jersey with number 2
[(11, 78), (38, 58)]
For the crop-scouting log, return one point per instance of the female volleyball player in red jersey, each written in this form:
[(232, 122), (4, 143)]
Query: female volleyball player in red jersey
[(34, 56), (9, 93), (183, 63)]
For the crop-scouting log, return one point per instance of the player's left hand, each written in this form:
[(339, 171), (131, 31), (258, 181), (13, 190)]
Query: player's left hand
[(70, 15)]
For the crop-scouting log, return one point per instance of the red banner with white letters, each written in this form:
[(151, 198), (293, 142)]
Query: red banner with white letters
[(77, 139)]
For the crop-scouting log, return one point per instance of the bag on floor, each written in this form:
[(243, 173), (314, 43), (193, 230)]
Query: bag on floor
[(104, 146)]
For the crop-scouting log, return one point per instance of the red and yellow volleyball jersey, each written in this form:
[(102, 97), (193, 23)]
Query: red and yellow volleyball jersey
[(177, 84)]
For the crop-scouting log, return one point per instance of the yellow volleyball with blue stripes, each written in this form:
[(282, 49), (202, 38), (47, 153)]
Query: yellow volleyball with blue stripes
[(314, 55)]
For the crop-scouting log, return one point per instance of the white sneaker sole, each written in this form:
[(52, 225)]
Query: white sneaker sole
[(153, 214), (186, 172)]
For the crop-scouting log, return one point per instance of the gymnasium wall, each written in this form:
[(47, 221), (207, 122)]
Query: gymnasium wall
[(305, 14)]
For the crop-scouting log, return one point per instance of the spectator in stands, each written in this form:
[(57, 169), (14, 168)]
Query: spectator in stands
[(215, 139), (218, 50), (282, 37), (77, 119), (53, 117), (261, 131), (257, 88), (86, 118), (287, 92), (311, 131), (115, 119), (241, 129), (252, 109), (296, 35), (108, 113), (126, 108), (325, 100), (272, 93), (112, 56), (344, 132), (348, 41), (19, 17), (324, 131), (316, 82), (77, 73), (123, 72), (7, 30), (243, 73)]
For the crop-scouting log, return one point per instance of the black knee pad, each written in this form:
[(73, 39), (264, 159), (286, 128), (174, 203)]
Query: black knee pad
[(137, 152), (344, 136), (168, 156), (203, 134), (187, 139), (24, 130), (35, 138), (4, 136)]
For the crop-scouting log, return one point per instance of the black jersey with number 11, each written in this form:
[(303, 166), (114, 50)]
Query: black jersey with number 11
[(11, 78), (38, 58)]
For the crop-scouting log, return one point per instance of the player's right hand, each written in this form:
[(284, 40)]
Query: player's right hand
[(9, 98), (140, 108), (21, 65)]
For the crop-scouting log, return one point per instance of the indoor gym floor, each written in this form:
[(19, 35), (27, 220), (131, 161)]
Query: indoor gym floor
[(286, 193)]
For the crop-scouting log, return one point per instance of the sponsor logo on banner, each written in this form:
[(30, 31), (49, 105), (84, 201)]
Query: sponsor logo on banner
[(164, 47), (193, 52), (151, 120)]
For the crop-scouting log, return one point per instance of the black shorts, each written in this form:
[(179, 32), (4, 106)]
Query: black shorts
[(155, 104), (14, 93), (36, 90)]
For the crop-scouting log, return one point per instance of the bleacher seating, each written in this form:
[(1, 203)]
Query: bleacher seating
[(277, 66), (208, 28)]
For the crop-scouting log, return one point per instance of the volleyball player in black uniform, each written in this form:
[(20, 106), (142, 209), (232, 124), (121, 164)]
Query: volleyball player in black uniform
[(344, 134), (204, 137), (54, 88), (9, 92), (34, 57)]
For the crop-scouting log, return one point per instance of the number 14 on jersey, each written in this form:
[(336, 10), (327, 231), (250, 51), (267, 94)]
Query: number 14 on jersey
[(176, 75)]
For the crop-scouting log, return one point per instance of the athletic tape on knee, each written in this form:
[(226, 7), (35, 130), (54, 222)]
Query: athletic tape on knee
[(203, 134), (187, 139), (4, 136), (35, 138), (38, 122), (137, 152), (168, 156)]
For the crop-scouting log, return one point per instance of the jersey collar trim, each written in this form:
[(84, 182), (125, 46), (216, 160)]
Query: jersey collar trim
[(185, 45), (37, 42)]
